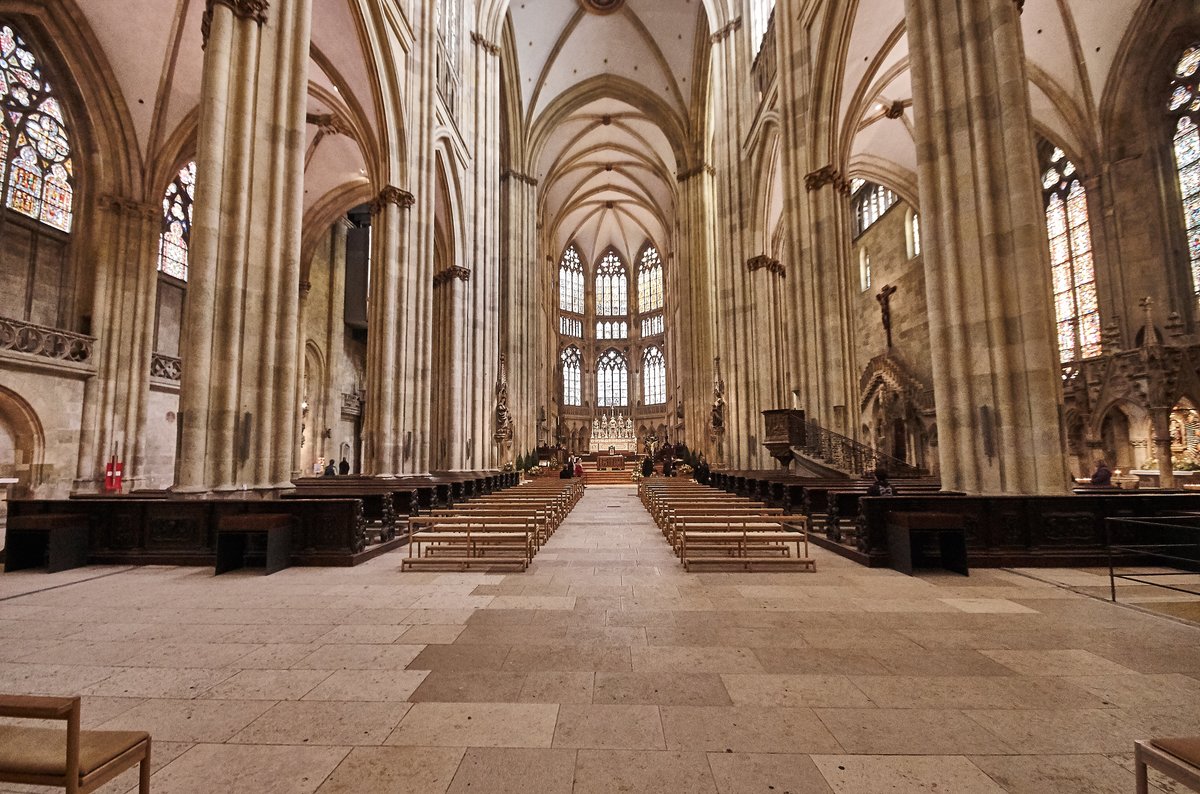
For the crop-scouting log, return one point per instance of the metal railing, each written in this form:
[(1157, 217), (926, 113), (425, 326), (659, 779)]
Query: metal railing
[(847, 455), (1163, 542)]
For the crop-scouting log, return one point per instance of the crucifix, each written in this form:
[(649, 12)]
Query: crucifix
[(885, 309)]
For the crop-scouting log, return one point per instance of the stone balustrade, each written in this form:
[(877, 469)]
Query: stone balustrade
[(38, 340)]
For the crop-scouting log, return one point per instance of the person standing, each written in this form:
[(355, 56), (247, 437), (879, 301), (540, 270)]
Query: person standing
[(344, 467), (1103, 475), (647, 466), (579, 467), (330, 470), (881, 486)]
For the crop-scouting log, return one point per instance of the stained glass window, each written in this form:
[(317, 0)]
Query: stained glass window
[(35, 158), (612, 380), (652, 325), (650, 281), (870, 202), (612, 287), (654, 376), (570, 326), (612, 329), (1184, 104), (1073, 271), (570, 281), (571, 376), (177, 224)]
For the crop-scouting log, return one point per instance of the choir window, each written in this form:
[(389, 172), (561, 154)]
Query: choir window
[(870, 202), (652, 326), (1073, 270), (570, 281), (176, 236), (612, 380), (654, 376), (612, 287), (571, 376), (1185, 106)]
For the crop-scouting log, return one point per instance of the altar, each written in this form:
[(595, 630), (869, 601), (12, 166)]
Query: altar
[(612, 432)]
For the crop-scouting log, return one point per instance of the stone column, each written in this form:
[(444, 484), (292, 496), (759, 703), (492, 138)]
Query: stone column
[(997, 381), (386, 360), (114, 407), (526, 339), (238, 399), (1160, 425), (690, 287)]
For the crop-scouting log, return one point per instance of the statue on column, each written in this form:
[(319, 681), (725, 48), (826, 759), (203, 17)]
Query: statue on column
[(717, 418), (504, 423)]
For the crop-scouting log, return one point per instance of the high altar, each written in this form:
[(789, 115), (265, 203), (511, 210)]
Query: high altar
[(612, 431)]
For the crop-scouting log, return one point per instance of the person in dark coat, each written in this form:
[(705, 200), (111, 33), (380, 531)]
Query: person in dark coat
[(1102, 475), (568, 471), (647, 466), (344, 467), (330, 470), (702, 471), (880, 486)]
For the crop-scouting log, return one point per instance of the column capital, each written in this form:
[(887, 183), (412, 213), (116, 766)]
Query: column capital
[(254, 10), (827, 176), (490, 47), (702, 168), (508, 173), (764, 262), (126, 206), (455, 272), (724, 32), (392, 195)]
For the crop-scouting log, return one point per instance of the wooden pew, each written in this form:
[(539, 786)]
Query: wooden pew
[(743, 541)]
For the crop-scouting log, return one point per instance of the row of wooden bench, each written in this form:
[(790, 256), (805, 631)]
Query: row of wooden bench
[(707, 527), (498, 530)]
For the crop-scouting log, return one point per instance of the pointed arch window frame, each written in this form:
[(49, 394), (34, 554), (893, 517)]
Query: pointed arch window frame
[(37, 173), (175, 238), (571, 276), (611, 285), (1183, 108), (612, 379), (571, 376), (650, 275), (654, 376)]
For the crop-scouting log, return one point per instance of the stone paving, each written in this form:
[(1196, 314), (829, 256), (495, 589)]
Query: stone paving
[(605, 668)]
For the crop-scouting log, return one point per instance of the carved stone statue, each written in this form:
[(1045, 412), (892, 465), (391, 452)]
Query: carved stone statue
[(717, 418), (504, 423)]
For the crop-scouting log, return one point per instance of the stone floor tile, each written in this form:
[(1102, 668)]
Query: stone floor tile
[(323, 723), (811, 660), (621, 771), (793, 690), (899, 774), (368, 685), (569, 658), (1056, 662), (975, 692), (558, 687), (910, 732), (171, 720), (277, 656), (484, 686), (1056, 774), (152, 682), (208, 768), (363, 634), (940, 662), (360, 657), (1060, 731), (609, 727), (477, 725), (746, 729), (460, 657), (661, 689), (514, 770), (693, 659), (267, 685), (431, 634), (763, 773), (396, 770), (988, 605)]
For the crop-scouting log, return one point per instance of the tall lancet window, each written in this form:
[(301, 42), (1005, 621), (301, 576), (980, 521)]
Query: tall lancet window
[(612, 287), (572, 376), (612, 380), (570, 281), (1184, 105), (35, 148), (448, 21), (650, 281), (1073, 269), (176, 235), (654, 376), (760, 18)]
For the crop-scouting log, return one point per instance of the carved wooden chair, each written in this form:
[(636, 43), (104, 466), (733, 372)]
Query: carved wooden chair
[(78, 761)]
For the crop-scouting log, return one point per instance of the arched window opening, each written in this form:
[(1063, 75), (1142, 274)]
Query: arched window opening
[(612, 380), (612, 287), (571, 376), (1073, 270), (654, 376), (570, 326), (653, 325), (864, 269), (176, 237), (870, 203), (650, 281), (612, 330), (915, 231), (570, 281), (760, 18), (35, 148), (1185, 106)]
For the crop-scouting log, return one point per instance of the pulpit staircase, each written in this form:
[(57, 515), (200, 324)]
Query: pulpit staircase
[(817, 451)]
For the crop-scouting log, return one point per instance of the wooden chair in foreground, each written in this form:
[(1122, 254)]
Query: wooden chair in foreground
[(1178, 759), (78, 761)]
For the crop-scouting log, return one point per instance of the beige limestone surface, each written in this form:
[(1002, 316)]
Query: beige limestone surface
[(603, 668)]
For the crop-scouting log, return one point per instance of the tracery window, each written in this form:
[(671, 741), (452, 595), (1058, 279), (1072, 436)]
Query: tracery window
[(176, 237), (571, 376), (613, 329), (1073, 270), (35, 149), (570, 281), (650, 281), (612, 380), (870, 202), (915, 231), (570, 326), (654, 376), (612, 287), (1185, 105), (652, 325), (760, 17)]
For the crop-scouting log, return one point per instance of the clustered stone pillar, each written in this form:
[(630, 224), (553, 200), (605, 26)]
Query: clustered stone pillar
[(996, 376), (689, 281), (390, 375), (238, 400), (525, 338), (115, 401)]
